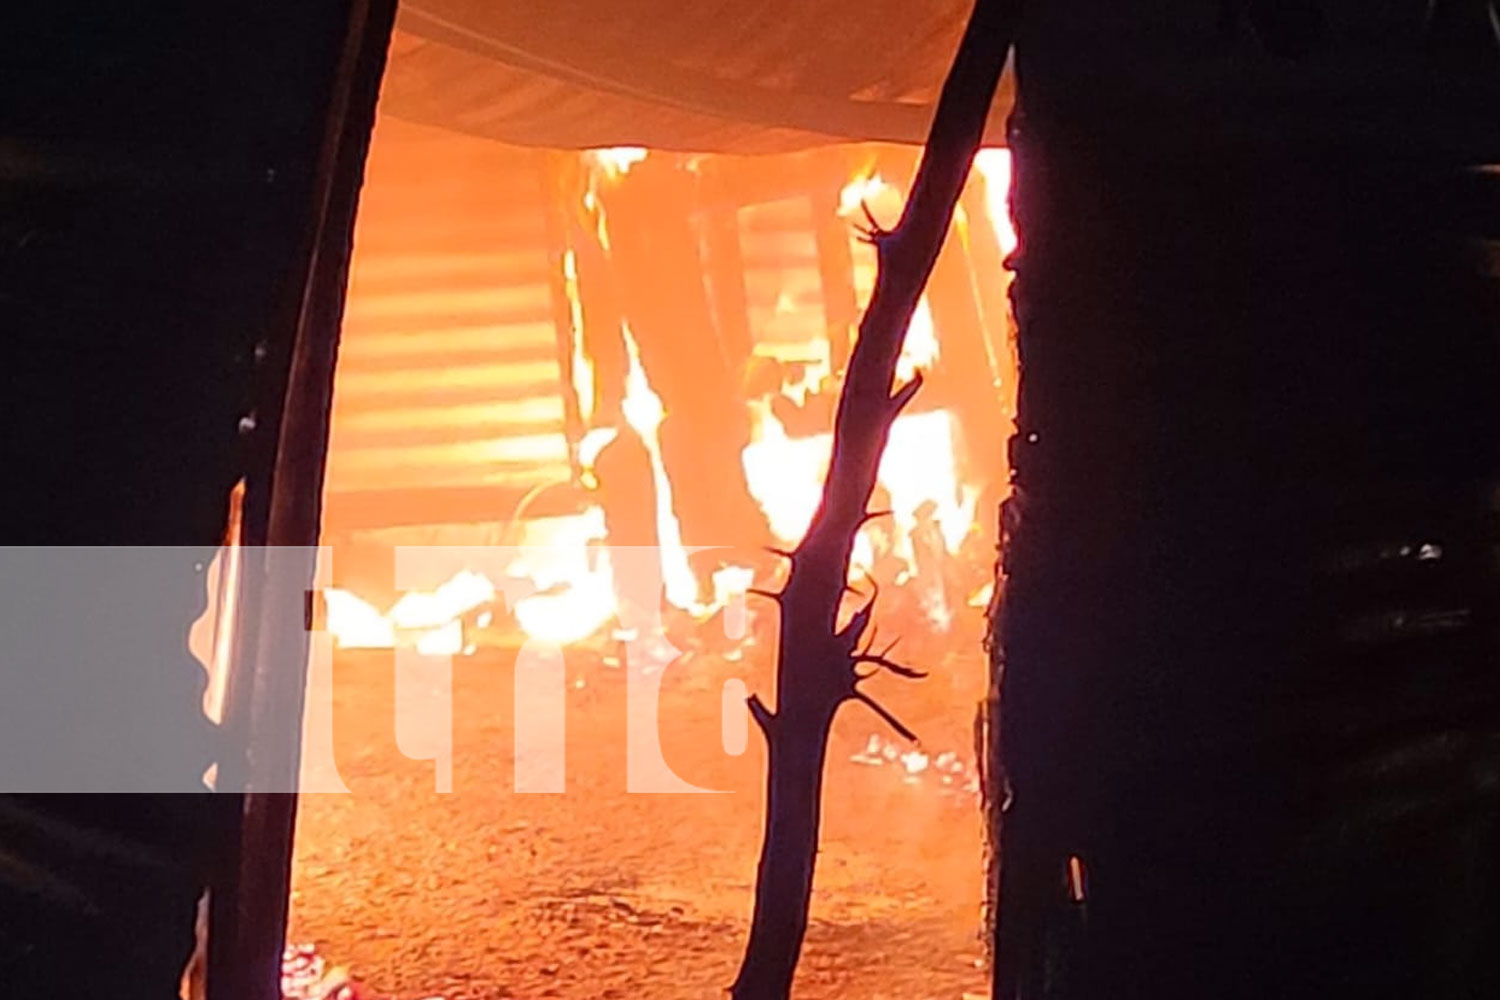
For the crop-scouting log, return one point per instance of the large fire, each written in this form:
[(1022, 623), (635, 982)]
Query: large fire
[(570, 595)]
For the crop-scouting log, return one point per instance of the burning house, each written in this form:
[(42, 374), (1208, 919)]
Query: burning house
[(516, 331)]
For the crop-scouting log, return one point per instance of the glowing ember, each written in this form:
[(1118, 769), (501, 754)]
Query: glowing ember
[(305, 975), (946, 773), (915, 761)]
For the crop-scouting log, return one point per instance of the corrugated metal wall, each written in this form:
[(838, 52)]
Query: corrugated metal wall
[(449, 383), (783, 290)]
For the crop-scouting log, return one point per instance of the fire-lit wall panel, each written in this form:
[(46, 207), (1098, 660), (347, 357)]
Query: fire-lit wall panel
[(783, 289), (449, 376)]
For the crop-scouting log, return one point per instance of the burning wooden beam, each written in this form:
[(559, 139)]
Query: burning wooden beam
[(819, 664)]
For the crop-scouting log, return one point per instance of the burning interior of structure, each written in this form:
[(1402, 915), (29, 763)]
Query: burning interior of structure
[(577, 359)]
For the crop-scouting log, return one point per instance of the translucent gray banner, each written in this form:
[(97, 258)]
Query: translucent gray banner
[(196, 670)]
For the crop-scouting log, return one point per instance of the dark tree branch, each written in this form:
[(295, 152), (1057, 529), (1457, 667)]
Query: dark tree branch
[(817, 666), (874, 232), (899, 669), (904, 395), (761, 714), (885, 714)]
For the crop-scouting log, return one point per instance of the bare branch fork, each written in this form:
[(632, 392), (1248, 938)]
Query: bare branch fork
[(819, 665)]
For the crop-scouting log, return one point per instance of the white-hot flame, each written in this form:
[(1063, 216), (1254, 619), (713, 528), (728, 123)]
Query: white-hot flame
[(581, 364), (994, 166), (918, 466), (919, 351), (644, 411), (435, 609), (615, 161), (563, 560), (355, 623)]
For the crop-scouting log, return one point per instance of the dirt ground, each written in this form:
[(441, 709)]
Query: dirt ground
[(485, 893)]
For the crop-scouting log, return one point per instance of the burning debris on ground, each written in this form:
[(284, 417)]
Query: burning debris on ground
[(947, 772), (306, 975)]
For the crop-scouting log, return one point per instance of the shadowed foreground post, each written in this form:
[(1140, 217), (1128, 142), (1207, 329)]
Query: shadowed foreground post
[(818, 664), (1250, 624)]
